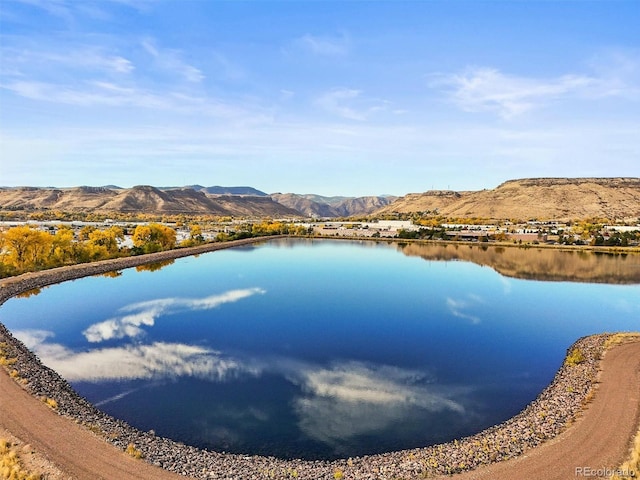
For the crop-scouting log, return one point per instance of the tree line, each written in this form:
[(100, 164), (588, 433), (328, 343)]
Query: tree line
[(26, 248)]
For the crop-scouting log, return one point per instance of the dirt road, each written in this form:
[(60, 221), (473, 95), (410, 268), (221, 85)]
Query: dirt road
[(600, 440), (77, 452)]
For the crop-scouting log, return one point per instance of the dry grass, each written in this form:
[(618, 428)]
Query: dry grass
[(631, 468), (619, 338), (133, 451), (11, 467), (51, 402)]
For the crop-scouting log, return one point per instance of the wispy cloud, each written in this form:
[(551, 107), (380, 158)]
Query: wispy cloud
[(457, 307), (355, 398), (72, 11), (349, 103), (170, 60), (506, 284), (612, 73), (96, 93), (24, 59), (488, 89), (330, 46), (146, 313), (158, 360), (619, 73)]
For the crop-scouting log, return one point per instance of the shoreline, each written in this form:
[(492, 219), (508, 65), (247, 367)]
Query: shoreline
[(551, 413), (563, 248)]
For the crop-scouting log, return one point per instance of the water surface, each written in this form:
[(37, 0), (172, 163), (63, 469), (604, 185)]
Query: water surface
[(321, 349)]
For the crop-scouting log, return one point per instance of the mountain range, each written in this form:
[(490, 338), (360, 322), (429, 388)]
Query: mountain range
[(541, 198)]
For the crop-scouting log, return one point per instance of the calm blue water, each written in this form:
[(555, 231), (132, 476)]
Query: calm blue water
[(314, 349)]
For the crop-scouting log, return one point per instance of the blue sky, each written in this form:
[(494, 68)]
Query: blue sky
[(335, 98)]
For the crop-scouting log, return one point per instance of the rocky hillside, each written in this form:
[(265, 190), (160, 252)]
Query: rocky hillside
[(541, 198), (317, 206), (145, 199)]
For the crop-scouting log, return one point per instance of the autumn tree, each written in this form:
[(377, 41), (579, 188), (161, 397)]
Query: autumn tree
[(269, 228), (26, 248), (153, 238), (195, 233), (102, 244), (63, 249)]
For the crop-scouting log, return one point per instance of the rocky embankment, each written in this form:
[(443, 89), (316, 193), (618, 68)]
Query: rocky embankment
[(551, 413)]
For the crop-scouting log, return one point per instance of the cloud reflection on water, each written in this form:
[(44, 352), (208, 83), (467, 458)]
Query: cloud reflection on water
[(146, 313), (134, 362), (457, 306), (355, 398)]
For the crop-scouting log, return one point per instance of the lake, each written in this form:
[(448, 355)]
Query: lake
[(324, 348)]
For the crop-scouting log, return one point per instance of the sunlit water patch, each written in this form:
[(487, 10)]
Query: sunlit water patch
[(322, 349)]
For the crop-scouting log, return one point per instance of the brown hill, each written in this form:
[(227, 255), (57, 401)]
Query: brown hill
[(144, 199), (361, 205), (304, 205), (70, 199), (318, 206), (541, 198), (148, 199)]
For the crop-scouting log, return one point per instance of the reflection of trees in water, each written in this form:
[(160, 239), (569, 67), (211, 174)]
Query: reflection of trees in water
[(111, 274), (538, 263), (152, 267), (29, 293)]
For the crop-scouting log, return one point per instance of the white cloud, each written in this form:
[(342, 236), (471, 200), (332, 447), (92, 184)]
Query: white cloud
[(227, 68), (457, 307), (89, 94), (325, 45), (619, 73), (506, 284), (170, 60), (335, 101), (146, 313), (72, 11), (355, 398), (110, 94), (22, 59), (488, 89), (155, 361), (350, 104)]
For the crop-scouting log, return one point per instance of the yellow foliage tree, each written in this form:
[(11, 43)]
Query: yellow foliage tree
[(26, 248), (154, 238), (63, 244)]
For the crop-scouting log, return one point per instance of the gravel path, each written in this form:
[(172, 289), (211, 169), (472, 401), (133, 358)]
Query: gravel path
[(78, 452), (86, 443), (600, 440)]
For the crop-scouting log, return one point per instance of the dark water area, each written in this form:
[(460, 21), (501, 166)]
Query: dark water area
[(325, 349)]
